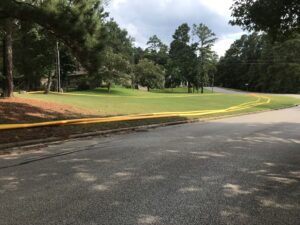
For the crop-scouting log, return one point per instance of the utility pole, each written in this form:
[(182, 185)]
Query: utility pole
[(58, 67)]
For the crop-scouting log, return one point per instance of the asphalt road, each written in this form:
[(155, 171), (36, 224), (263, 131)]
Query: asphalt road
[(243, 170), (226, 90), (234, 91)]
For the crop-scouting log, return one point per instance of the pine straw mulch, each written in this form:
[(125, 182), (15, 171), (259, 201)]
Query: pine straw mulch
[(21, 110)]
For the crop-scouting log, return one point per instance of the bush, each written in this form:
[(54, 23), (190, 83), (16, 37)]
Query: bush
[(83, 85)]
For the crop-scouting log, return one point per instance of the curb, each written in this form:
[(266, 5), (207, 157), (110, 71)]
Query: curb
[(20, 147), (38, 143)]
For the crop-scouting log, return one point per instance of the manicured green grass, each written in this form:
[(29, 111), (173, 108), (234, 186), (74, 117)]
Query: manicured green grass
[(180, 90), (123, 101)]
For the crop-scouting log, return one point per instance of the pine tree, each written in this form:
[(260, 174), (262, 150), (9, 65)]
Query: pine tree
[(77, 23), (206, 39)]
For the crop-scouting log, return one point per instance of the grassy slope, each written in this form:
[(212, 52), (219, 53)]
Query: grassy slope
[(125, 101)]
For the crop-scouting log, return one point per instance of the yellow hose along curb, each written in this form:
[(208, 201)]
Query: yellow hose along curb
[(261, 100)]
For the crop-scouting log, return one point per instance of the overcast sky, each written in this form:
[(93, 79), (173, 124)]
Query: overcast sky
[(144, 18)]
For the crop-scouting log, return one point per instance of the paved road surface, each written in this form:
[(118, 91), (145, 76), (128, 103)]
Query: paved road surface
[(233, 91), (227, 91), (243, 170)]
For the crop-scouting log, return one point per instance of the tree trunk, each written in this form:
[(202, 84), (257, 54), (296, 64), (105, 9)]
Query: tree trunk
[(8, 63), (108, 87), (3, 81), (189, 88), (202, 83), (148, 89), (49, 83)]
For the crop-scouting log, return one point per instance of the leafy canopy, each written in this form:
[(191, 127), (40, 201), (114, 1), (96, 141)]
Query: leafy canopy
[(149, 75), (276, 17), (77, 23)]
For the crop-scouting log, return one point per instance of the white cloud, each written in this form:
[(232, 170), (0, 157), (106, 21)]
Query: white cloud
[(223, 43), (222, 7), (222, 46), (144, 18), (116, 4)]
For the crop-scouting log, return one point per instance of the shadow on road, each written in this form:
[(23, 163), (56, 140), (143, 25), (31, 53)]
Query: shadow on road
[(240, 178)]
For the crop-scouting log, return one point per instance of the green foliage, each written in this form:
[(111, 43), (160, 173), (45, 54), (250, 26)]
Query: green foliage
[(118, 39), (84, 84), (191, 63), (115, 69), (157, 51), (149, 75), (234, 70), (182, 33), (182, 56), (256, 63), (285, 68), (77, 23), (68, 64), (276, 17), (207, 58), (34, 55), (155, 44)]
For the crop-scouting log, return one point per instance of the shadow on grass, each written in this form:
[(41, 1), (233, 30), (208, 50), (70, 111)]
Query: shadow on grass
[(16, 113)]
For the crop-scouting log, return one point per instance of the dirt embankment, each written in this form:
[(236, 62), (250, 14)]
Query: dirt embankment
[(21, 110)]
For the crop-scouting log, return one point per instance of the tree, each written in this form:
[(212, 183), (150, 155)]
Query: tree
[(149, 75), (138, 54), (276, 17), (77, 23), (2, 77), (182, 56), (8, 85), (154, 44), (157, 52), (263, 65), (68, 64), (115, 69), (206, 39), (173, 75), (284, 71), (237, 67), (212, 68), (34, 53), (118, 39)]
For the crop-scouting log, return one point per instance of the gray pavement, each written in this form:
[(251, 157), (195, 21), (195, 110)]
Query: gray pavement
[(243, 170), (227, 90), (233, 91)]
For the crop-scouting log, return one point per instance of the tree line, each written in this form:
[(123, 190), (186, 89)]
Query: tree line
[(255, 63), (32, 31), (268, 59), (87, 37)]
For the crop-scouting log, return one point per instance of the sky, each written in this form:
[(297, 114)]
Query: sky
[(144, 18)]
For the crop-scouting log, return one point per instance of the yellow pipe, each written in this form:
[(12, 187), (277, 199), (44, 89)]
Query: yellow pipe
[(139, 116)]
